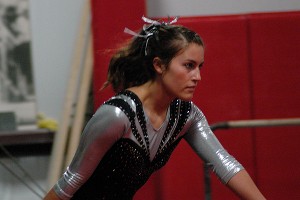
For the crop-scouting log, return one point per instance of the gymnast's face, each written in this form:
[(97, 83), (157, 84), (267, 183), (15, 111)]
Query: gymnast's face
[(180, 78)]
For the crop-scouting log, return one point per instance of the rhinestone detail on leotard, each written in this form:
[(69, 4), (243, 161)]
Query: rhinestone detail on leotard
[(126, 166)]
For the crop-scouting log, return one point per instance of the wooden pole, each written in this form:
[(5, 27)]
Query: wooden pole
[(60, 139), (82, 103)]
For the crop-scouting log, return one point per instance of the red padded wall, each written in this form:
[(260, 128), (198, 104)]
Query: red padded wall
[(275, 67), (109, 18)]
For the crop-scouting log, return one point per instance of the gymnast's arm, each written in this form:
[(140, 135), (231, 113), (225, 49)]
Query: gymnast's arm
[(228, 169), (101, 132)]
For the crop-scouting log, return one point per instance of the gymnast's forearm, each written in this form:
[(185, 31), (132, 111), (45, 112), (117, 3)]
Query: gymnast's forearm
[(244, 187)]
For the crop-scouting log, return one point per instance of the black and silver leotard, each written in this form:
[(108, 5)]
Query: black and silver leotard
[(119, 149)]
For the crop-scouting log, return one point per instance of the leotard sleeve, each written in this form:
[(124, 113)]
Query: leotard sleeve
[(203, 141), (106, 126)]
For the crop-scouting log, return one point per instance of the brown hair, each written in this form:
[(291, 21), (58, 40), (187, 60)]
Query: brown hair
[(132, 64)]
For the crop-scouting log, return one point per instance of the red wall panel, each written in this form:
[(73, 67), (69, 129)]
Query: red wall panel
[(109, 18), (275, 50)]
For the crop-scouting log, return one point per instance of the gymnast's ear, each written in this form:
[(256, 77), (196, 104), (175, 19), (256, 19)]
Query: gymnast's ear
[(158, 65)]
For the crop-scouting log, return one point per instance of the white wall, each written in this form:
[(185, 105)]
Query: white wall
[(162, 8), (54, 25)]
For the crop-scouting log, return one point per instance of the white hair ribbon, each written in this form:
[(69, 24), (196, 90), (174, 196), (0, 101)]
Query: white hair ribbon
[(151, 31)]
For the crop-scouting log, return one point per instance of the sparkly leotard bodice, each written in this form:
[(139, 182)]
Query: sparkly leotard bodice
[(119, 149)]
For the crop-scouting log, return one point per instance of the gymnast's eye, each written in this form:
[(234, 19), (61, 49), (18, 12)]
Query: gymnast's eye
[(190, 65)]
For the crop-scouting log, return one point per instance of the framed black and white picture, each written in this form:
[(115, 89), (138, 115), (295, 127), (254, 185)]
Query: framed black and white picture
[(17, 92)]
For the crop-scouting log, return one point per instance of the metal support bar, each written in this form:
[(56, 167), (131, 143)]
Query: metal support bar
[(243, 124), (256, 123)]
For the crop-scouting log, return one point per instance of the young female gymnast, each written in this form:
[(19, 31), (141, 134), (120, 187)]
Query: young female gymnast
[(134, 133)]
